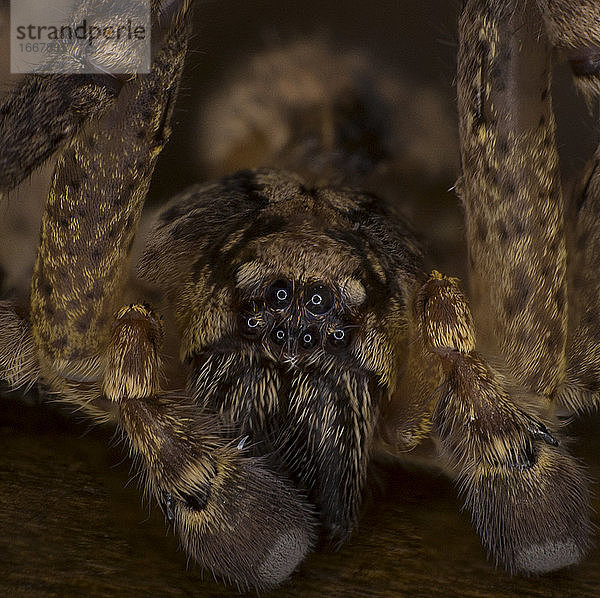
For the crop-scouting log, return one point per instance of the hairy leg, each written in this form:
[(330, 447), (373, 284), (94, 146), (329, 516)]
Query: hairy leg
[(234, 516), (42, 114), (527, 496), (98, 189), (92, 212), (511, 189), (574, 28)]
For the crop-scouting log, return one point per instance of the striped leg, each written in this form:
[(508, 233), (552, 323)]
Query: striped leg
[(511, 189), (527, 496)]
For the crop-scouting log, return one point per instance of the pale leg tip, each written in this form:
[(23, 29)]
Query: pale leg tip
[(548, 556), (284, 557)]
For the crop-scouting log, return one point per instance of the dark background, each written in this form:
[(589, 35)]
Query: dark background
[(417, 39)]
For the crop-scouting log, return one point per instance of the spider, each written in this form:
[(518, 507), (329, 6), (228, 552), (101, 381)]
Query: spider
[(309, 332)]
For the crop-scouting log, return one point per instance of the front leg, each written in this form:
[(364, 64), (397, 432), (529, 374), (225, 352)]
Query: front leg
[(511, 189), (93, 207), (234, 516), (527, 496), (92, 212)]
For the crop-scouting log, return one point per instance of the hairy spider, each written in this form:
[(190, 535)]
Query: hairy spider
[(309, 332)]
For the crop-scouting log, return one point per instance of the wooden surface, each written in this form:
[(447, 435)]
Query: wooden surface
[(72, 523)]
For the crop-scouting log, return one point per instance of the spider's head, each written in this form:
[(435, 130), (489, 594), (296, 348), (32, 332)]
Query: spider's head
[(292, 309), (298, 300)]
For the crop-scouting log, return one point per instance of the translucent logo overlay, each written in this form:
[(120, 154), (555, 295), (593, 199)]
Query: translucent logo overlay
[(80, 36)]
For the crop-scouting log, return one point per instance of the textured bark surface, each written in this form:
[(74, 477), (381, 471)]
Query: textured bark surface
[(72, 524)]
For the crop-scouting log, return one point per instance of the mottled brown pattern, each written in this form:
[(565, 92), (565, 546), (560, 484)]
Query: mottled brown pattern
[(218, 498), (510, 172), (505, 460), (581, 388), (91, 217), (50, 111)]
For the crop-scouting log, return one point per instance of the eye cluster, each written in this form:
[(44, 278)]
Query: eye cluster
[(296, 318)]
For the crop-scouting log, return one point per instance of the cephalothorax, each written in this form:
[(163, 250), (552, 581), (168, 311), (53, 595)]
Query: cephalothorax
[(289, 353), (308, 328)]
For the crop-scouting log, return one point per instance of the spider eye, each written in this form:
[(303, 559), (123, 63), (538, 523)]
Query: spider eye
[(338, 339), (251, 323), (309, 338), (279, 294), (279, 335), (319, 299)]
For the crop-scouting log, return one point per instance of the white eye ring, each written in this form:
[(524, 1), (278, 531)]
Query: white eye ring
[(319, 299)]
